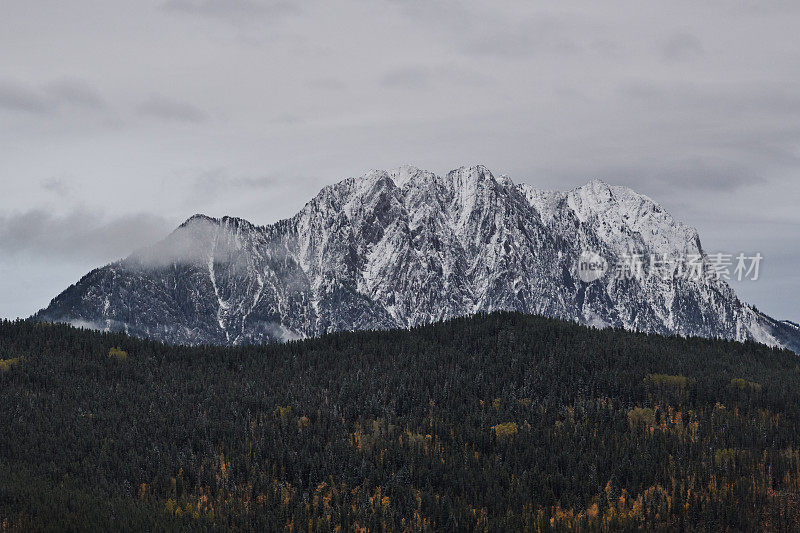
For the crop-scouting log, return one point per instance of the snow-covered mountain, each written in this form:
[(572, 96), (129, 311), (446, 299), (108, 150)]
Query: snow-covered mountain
[(405, 247)]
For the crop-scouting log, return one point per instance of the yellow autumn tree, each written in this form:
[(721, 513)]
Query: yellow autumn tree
[(505, 429), (117, 353), (6, 364)]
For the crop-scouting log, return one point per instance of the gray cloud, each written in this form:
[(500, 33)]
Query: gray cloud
[(681, 46), (220, 183), (261, 198), (81, 235), (667, 178), (287, 119), (52, 96), (766, 100), (536, 35), (187, 244), (171, 110), (327, 84), (57, 186), (518, 30), (15, 97), (696, 104), (424, 77), (408, 77), (231, 8), (75, 92), (211, 181)]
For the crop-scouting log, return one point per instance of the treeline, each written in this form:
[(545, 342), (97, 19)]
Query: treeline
[(498, 422)]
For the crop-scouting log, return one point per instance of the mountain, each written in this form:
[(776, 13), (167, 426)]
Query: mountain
[(406, 247)]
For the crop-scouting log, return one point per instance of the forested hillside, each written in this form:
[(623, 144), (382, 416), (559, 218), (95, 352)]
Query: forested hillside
[(496, 422)]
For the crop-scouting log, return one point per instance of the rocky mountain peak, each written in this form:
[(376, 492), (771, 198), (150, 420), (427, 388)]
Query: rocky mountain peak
[(404, 247)]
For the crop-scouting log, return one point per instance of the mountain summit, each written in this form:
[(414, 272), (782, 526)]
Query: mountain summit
[(405, 247)]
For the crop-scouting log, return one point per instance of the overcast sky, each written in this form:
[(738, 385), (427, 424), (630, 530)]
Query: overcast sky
[(118, 120)]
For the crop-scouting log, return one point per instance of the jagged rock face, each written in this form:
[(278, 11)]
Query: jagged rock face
[(406, 247)]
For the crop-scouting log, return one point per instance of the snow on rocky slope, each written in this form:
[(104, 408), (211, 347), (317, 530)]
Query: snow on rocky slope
[(405, 247)]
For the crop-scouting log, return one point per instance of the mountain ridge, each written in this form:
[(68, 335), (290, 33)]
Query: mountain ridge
[(404, 247)]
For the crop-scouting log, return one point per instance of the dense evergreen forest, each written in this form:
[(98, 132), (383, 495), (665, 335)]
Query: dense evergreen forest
[(497, 422)]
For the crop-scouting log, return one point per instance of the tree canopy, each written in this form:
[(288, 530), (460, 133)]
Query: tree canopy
[(494, 422)]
